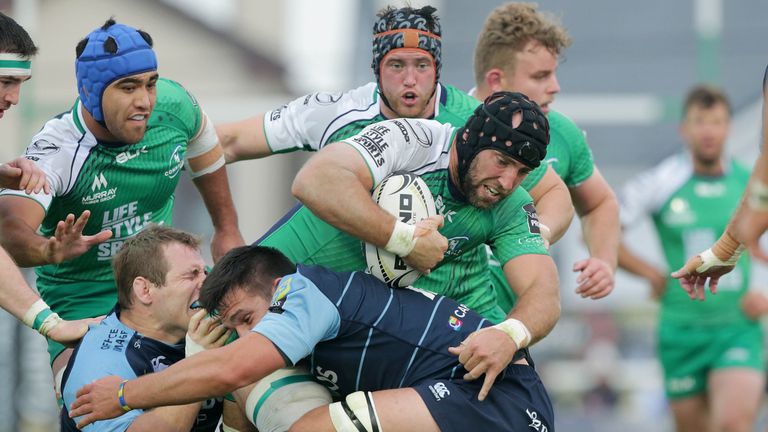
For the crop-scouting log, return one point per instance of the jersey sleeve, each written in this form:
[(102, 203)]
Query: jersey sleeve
[(401, 145), (55, 159), (303, 124), (299, 318), (645, 194), (517, 229), (177, 101)]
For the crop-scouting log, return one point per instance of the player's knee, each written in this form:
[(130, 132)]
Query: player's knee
[(356, 413)]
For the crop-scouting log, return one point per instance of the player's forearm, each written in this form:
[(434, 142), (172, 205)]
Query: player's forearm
[(759, 173), (602, 230), (553, 207), (22, 242), (336, 196), (167, 419), (214, 189), (211, 373), (243, 140), (634, 264), (538, 301), (15, 295)]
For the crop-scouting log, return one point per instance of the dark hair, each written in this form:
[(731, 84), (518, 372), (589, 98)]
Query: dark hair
[(426, 12), (110, 45), (705, 96), (252, 268), (14, 39), (142, 256)]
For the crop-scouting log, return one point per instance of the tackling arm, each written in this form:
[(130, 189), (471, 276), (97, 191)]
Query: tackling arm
[(207, 374)]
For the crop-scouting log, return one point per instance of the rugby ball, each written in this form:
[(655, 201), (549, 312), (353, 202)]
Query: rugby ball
[(407, 197)]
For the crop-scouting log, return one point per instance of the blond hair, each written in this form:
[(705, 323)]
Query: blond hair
[(507, 31)]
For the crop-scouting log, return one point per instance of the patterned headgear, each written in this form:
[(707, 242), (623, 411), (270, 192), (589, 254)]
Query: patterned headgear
[(490, 127), (407, 28), (112, 52)]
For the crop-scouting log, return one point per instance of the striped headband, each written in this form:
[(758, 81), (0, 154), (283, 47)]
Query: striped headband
[(12, 64)]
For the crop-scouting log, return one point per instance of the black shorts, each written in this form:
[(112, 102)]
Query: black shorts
[(516, 402)]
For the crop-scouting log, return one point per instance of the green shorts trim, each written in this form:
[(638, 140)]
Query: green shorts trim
[(688, 354)]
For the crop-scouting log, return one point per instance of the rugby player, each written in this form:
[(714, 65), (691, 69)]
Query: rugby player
[(384, 352), (118, 155), (711, 353)]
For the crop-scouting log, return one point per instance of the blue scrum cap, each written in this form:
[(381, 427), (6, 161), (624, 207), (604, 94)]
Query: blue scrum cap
[(112, 51)]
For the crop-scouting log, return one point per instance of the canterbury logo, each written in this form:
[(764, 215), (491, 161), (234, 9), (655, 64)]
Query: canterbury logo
[(439, 390), (98, 182)]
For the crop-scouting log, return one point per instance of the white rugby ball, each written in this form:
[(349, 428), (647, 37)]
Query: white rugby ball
[(407, 197)]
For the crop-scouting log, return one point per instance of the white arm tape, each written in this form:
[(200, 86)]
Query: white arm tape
[(191, 347), (517, 331), (402, 240), (205, 141), (709, 260), (31, 313)]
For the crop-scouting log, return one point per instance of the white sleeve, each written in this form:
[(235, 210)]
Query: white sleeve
[(648, 192), (401, 145), (303, 123), (55, 160)]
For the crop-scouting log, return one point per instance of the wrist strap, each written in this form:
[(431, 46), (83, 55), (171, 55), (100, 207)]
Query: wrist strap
[(517, 331), (757, 198), (121, 396), (402, 240), (31, 315)]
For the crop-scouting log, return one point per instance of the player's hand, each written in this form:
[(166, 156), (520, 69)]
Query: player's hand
[(596, 278), (430, 245), (754, 304), (97, 401), (488, 351), (23, 174), (752, 226), (204, 332), (695, 274), (69, 333), (68, 241), (224, 240)]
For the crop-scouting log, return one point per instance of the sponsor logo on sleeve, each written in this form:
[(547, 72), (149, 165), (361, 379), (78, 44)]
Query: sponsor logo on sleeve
[(276, 114), (278, 301), (533, 219), (175, 162), (42, 148), (535, 423), (373, 140), (325, 99)]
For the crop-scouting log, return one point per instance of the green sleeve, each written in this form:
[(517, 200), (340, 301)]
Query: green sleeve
[(516, 230), (178, 107)]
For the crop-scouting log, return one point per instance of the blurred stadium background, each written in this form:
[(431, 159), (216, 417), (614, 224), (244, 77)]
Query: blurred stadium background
[(623, 81)]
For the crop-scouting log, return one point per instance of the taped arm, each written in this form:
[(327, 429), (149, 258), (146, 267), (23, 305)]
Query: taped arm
[(553, 205)]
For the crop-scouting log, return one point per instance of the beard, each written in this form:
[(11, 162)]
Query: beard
[(473, 184)]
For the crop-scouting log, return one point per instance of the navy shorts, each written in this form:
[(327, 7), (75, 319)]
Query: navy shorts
[(516, 402)]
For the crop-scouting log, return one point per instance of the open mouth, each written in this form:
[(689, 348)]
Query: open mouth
[(492, 191), (410, 98)]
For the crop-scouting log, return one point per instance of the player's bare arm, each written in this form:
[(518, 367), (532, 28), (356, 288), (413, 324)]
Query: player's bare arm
[(22, 174), (210, 373), (209, 174), (490, 350), (553, 205), (632, 263), (19, 219), (243, 140), (598, 209), (336, 183)]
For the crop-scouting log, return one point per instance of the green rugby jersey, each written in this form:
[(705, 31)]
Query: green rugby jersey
[(571, 158), (125, 186), (421, 147), (690, 212)]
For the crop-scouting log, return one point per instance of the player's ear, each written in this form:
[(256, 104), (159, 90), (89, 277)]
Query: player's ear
[(142, 290), (494, 79), (275, 283)]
